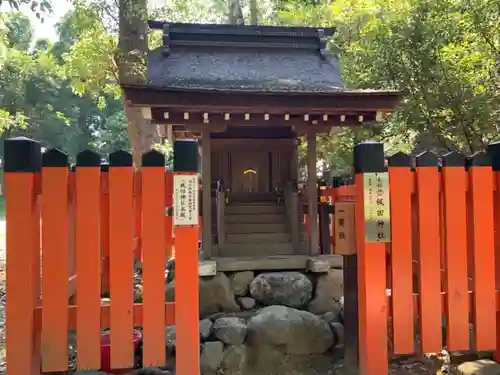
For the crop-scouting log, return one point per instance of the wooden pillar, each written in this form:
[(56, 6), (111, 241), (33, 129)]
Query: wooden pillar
[(312, 193), (206, 181), (294, 164)]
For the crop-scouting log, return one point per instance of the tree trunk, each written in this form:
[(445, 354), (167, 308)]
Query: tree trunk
[(132, 68), (235, 13), (254, 12)]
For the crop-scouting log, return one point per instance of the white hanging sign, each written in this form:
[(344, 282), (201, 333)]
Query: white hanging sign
[(186, 210)]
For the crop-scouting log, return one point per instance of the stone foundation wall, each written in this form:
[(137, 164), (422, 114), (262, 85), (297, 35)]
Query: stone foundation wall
[(267, 322)]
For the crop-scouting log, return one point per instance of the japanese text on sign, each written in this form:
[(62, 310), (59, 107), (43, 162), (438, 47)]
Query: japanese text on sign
[(185, 200), (377, 207)]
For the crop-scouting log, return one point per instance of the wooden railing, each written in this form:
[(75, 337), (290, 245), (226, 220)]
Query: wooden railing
[(292, 209), (71, 220), (221, 208)]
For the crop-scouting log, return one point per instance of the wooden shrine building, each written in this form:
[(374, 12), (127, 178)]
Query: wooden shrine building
[(247, 93)]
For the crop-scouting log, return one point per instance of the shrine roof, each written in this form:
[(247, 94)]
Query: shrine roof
[(243, 58)]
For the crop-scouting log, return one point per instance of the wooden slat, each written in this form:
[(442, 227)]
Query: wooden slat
[(401, 180), (153, 252), (55, 287), (455, 235), (138, 213), (169, 230), (372, 300), (104, 222), (496, 179), (483, 254), (187, 300), (20, 333), (88, 284), (429, 255), (121, 230)]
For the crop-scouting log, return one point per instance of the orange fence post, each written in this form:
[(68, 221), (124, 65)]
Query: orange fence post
[(372, 222), (138, 215), (55, 286), (494, 153), (121, 233), (169, 230), (153, 254), (185, 220), (429, 251), (482, 251), (401, 177), (104, 220), (455, 251), (88, 260), (22, 162)]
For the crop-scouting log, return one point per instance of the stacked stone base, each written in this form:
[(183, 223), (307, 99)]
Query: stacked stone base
[(268, 323)]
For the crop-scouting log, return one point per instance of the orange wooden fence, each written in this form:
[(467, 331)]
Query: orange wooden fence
[(442, 259), (86, 224)]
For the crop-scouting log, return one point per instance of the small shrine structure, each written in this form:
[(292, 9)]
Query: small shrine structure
[(247, 94)]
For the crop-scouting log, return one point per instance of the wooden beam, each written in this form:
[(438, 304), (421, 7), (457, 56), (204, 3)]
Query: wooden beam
[(312, 194), (239, 143), (269, 102), (206, 181), (211, 128), (259, 119)]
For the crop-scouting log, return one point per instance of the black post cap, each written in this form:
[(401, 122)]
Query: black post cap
[(336, 181), (120, 158), (186, 156), (105, 167), (369, 157), (427, 159), (453, 159), (153, 158), (55, 158), (88, 158), (494, 152), (399, 159), (479, 159), (22, 154)]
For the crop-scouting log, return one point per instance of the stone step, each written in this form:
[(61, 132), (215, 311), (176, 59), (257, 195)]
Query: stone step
[(241, 228), (255, 238), (259, 218), (250, 209), (256, 249), (260, 249)]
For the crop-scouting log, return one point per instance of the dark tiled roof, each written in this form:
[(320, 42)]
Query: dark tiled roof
[(248, 58)]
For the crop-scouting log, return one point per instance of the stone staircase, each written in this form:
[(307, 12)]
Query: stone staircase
[(257, 228)]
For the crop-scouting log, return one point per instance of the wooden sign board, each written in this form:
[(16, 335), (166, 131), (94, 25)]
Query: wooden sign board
[(377, 207), (186, 210), (344, 229)]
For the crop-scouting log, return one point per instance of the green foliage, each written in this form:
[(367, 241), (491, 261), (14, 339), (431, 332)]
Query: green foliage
[(443, 55), (38, 101)]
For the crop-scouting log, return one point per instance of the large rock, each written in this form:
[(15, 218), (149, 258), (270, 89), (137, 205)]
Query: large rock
[(205, 328), (240, 282), (216, 295), (329, 292), (481, 367), (294, 331), (266, 359), (246, 303), (231, 331), (291, 289), (211, 356), (233, 360)]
